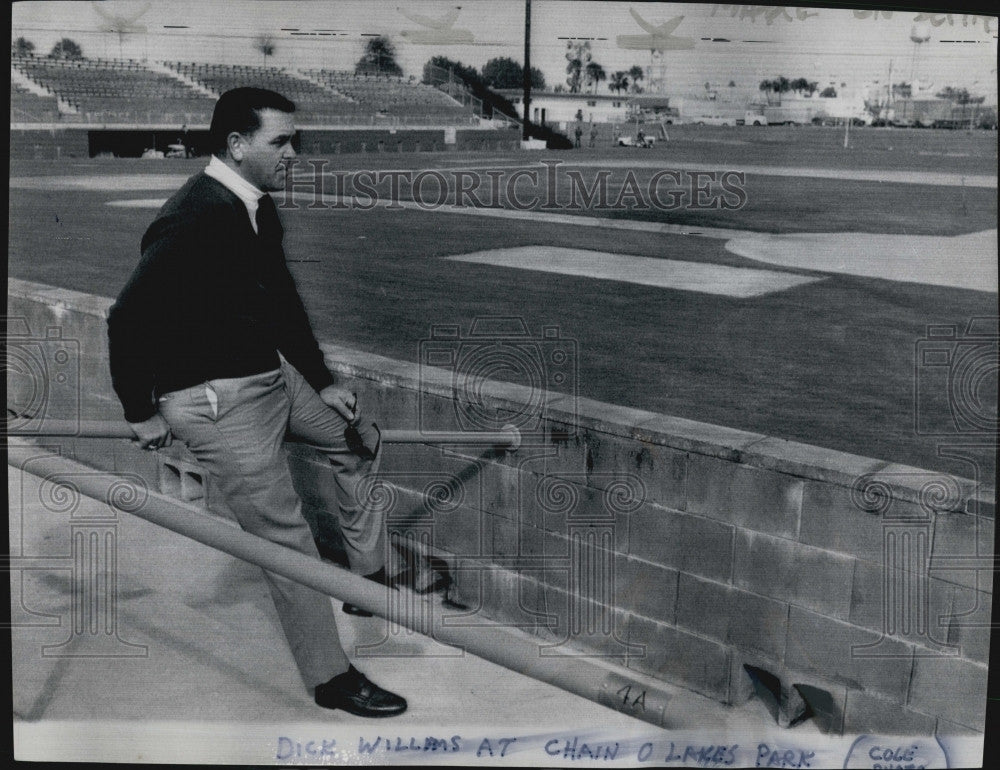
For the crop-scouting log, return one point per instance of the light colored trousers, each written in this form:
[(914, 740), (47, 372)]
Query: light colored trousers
[(236, 428)]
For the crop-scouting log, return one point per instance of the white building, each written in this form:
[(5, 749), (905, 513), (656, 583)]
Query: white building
[(560, 110)]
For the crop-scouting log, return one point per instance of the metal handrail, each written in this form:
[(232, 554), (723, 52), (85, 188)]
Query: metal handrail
[(591, 678), (508, 438)]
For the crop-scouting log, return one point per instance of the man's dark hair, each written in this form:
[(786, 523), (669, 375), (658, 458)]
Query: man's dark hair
[(239, 110)]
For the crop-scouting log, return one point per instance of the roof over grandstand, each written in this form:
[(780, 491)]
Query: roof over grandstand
[(727, 42)]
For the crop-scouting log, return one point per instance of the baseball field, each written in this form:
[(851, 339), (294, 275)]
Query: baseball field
[(766, 279)]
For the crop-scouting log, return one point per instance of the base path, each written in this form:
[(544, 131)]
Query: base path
[(942, 178), (961, 261)]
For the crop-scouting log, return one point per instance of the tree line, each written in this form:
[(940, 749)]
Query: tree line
[(782, 85), (64, 49)]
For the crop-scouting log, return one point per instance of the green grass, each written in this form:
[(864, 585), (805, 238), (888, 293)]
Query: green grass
[(830, 363)]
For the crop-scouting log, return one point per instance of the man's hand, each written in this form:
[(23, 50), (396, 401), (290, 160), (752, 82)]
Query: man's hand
[(343, 402), (153, 433)]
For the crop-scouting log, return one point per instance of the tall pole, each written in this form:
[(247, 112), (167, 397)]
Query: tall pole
[(889, 100), (527, 69)]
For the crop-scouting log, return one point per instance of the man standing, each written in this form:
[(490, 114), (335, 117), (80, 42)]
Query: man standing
[(210, 343)]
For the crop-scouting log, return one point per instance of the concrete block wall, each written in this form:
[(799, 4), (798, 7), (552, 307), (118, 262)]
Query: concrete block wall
[(48, 143), (320, 141), (689, 552), (75, 142)]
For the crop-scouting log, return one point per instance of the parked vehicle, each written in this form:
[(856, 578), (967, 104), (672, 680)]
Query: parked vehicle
[(636, 141), (752, 119), (714, 120), (789, 116)]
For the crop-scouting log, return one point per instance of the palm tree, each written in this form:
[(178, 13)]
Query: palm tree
[(379, 57), (902, 90), (618, 82), (66, 49), (22, 47), (636, 73), (577, 58), (595, 74), (573, 68)]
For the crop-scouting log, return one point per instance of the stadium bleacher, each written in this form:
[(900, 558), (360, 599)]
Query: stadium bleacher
[(332, 96), (26, 107), (391, 95), (315, 101), (129, 91), (112, 89)]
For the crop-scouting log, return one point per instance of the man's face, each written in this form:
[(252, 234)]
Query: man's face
[(262, 153)]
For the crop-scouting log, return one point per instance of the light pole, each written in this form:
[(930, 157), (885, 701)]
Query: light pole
[(527, 70)]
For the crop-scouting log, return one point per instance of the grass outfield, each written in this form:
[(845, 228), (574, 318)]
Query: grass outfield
[(869, 148), (772, 204), (830, 363)]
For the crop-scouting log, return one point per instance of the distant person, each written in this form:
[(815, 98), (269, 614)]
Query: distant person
[(210, 343), (185, 140), (579, 134), (593, 135), (640, 137)]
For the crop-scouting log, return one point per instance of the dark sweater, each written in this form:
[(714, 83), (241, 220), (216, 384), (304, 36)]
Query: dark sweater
[(210, 299)]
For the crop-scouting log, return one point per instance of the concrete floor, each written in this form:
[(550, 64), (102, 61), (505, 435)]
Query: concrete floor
[(203, 674)]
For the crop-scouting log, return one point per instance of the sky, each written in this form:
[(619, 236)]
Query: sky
[(731, 43)]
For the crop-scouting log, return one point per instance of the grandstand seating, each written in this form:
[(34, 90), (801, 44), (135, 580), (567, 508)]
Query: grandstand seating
[(314, 101), (391, 95), (122, 89), (113, 90), (26, 107), (331, 95)]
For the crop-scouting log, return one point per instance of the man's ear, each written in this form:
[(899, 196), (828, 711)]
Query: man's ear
[(234, 145)]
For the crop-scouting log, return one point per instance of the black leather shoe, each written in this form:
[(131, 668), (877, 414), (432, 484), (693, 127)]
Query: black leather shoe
[(355, 693), (425, 581)]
